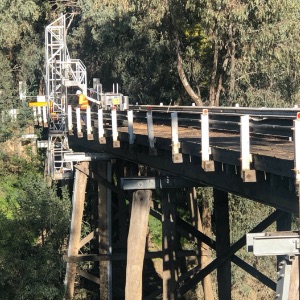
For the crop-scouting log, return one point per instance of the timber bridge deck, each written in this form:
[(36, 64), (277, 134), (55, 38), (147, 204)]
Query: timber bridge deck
[(252, 153)]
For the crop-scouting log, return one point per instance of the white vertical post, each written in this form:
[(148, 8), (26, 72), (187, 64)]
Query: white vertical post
[(101, 137), (70, 122), (174, 128), (245, 143), (116, 143), (207, 164), (88, 123), (78, 120), (205, 150), (176, 156), (45, 121), (297, 147), (150, 129), (39, 109), (109, 227), (130, 126)]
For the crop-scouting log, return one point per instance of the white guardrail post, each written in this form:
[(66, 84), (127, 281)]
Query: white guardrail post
[(39, 109), (150, 130), (130, 127), (176, 156), (297, 148), (207, 164), (89, 130), (70, 121), (78, 120), (101, 137), (114, 125), (246, 158), (45, 120)]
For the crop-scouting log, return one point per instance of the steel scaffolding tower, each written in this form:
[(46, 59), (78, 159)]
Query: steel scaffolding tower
[(61, 72)]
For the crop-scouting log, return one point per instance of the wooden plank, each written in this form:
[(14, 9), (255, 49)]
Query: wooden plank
[(88, 276), (86, 239), (123, 256), (294, 292), (136, 243)]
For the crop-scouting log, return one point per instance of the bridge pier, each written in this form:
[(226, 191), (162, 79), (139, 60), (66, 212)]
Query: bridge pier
[(204, 255), (104, 227), (78, 198), (136, 243), (222, 243), (169, 241)]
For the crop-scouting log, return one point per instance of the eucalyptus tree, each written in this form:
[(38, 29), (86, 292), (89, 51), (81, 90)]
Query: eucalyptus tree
[(127, 42), (20, 48), (254, 58)]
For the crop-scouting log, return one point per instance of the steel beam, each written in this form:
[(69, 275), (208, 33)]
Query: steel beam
[(278, 243), (82, 156), (152, 183)]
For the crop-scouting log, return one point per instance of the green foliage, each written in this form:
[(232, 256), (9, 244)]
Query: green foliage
[(155, 228), (33, 224), (22, 48), (12, 126)]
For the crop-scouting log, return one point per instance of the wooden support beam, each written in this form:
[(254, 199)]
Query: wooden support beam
[(123, 256), (283, 224), (80, 182), (204, 256), (86, 239), (104, 229), (170, 272), (136, 243), (294, 291), (222, 243), (123, 223), (88, 276)]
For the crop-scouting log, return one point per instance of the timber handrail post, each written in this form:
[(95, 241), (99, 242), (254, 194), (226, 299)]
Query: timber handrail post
[(45, 120), (176, 156), (70, 122), (207, 164), (247, 174), (114, 125), (78, 120), (150, 131), (101, 137), (90, 136), (130, 127)]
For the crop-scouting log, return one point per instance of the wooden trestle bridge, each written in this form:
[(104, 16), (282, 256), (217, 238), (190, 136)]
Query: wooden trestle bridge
[(122, 156)]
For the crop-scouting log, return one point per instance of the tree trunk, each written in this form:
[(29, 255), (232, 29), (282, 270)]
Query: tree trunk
[(232, 64), (196, 98)]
